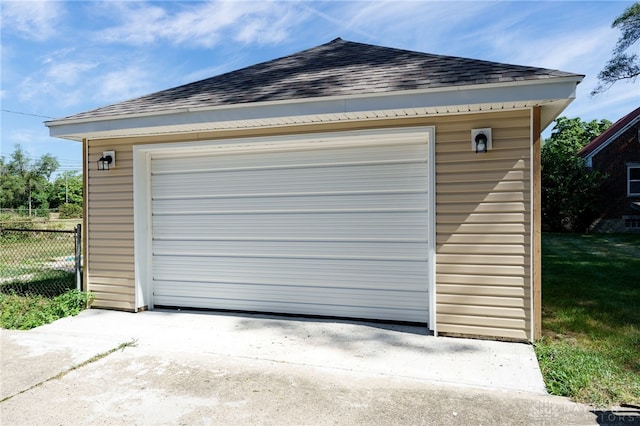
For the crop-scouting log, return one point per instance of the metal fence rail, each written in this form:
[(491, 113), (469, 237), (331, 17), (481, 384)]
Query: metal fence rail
[(40, 261)]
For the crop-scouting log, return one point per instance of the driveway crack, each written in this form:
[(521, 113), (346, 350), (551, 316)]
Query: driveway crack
[(95, 358)]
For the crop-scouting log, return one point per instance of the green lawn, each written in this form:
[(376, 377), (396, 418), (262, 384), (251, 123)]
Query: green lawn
[(44, 260), (590, 350)]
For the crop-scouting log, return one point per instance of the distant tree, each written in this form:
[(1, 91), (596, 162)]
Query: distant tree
[(622, 65), (10, 186), (26, 182), (570, 190), (67, 189)]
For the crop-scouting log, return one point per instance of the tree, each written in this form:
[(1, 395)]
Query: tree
[(10, 186), (67, 189), (622, 65), (26, 182), (570, 190)]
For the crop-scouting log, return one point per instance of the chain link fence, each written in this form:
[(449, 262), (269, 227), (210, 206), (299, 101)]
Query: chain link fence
[(40, 262)]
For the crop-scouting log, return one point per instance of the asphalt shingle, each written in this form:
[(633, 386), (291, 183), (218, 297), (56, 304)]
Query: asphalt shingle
[(337, 68)]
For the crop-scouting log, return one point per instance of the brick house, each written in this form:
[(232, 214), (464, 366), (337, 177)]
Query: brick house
[(616, 152)]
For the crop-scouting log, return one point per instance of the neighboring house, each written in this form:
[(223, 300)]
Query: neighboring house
[(616, 152), (344, 180)]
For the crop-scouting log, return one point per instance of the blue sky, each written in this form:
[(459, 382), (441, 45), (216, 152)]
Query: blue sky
[(64, 57)]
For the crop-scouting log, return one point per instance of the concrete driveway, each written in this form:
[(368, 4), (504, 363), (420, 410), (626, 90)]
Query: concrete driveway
[(170, 367)]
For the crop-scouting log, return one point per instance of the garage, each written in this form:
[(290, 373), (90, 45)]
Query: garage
[(309, 184), (332, 224)]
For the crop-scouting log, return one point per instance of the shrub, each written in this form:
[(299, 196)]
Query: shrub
[(70, 211)]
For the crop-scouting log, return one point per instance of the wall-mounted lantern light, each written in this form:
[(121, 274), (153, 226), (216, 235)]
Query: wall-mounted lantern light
[(481, 140), (107, 161)]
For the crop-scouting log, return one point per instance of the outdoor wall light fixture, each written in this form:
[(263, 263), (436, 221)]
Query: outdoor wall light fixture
[(481, 140), (107, 161)]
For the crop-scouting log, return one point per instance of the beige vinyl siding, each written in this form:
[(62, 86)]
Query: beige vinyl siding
[(110, 261), (483, 215)]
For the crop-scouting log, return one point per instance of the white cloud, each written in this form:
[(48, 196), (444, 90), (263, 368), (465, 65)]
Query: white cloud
[(140, 23), (202, 24), (415, 25), (57, 55), (271, 28), (31, 88), (59, 76), (121, 84), (35, 20), (571, 51), (68, 84), (39, 92), (60, 80), (68, 73)]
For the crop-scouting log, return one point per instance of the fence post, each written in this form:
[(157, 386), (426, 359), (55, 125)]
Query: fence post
[(78, 245)]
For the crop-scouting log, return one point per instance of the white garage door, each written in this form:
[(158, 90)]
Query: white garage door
[(328, 225)]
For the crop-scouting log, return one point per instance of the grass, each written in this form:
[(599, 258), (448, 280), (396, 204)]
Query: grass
[(37, 263), (47, 283), (23, 254), (590, 349)]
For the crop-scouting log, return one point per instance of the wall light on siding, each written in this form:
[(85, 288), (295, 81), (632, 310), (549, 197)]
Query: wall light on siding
[(107, 161), (481, 140)]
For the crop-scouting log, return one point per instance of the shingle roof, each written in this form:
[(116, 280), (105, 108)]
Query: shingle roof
[(337, 68), (606, 136)]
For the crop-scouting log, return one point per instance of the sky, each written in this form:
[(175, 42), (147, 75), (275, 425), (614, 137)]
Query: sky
[(59, 58)]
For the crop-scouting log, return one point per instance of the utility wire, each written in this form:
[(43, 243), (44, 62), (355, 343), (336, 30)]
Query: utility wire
[(26, 113)]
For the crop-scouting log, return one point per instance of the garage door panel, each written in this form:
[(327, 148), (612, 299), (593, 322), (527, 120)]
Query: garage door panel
[(285, 183), (351, 282), (175, 163), (314, 226), (289, 186), (333, 273), (340, 231), (193, 204), (390, 168), (290, 294), (319, 249), (301, 308)]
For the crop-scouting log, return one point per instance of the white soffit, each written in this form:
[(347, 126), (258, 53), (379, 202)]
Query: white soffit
[(553, 96)]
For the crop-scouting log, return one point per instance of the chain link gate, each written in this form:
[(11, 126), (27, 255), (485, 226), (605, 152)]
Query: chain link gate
[(40, 261)]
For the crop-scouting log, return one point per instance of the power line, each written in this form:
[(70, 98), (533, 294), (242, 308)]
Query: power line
[(26, 113)]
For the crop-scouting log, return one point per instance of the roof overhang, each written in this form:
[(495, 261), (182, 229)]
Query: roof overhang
[(552, 95)]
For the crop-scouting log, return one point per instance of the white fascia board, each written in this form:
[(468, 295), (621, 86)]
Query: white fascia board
[(545, 91)]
